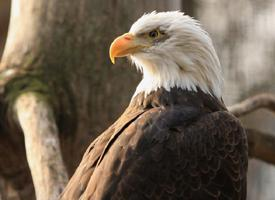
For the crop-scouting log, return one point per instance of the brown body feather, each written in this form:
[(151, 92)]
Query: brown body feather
[(169, 145)]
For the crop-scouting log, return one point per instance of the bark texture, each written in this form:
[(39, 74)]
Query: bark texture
[(37, 121)]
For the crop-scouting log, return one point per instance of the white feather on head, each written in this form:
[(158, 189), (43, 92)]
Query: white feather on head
[(186, 59)]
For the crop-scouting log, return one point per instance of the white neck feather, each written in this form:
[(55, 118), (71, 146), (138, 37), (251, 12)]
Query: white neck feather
[(166, 74), (162, 72)]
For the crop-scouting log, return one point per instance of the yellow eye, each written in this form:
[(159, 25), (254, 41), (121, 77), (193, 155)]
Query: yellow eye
[(153, 34)]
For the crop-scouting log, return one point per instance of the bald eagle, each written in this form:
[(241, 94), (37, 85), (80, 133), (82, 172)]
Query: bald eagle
[(176, 139)]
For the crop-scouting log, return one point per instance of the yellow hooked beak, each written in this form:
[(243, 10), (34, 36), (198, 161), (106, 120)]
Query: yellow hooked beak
[(123, 45)]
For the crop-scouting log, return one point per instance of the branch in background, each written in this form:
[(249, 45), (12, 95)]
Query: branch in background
[(253, 103), (261, 145), (44, 156)]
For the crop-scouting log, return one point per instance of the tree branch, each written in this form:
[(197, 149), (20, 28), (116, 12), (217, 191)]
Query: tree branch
[(42, 145), (261, 145), (253, 103)]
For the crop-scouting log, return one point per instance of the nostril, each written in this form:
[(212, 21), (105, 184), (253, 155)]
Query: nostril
[(127, 37)]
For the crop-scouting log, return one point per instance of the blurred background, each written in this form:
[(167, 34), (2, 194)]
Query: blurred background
[(243, 33)]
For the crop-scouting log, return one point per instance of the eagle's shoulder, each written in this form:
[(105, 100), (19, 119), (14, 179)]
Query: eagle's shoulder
[(177, 152)]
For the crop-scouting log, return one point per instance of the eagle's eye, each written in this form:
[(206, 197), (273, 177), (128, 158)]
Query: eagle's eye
[(153, 34)]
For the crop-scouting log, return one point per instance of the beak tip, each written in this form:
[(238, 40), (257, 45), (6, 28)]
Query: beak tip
[(113, 60), (112, 53)]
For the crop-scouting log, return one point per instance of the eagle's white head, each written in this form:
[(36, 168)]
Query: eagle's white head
[(172, 50)]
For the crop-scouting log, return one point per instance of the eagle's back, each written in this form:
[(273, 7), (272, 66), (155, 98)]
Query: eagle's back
[(187, 149)]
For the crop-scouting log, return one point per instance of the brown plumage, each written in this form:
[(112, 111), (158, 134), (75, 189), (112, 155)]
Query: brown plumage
[(169, 145)]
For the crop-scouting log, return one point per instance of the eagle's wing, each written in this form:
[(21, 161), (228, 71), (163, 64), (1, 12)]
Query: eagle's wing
[(174, 153), (79, 181)]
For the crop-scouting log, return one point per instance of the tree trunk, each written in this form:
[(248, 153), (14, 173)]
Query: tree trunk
[(4, 22), (188, 7), (36, 118)]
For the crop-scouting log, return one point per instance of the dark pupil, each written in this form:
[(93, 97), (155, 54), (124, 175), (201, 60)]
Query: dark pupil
[(153, 34)]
